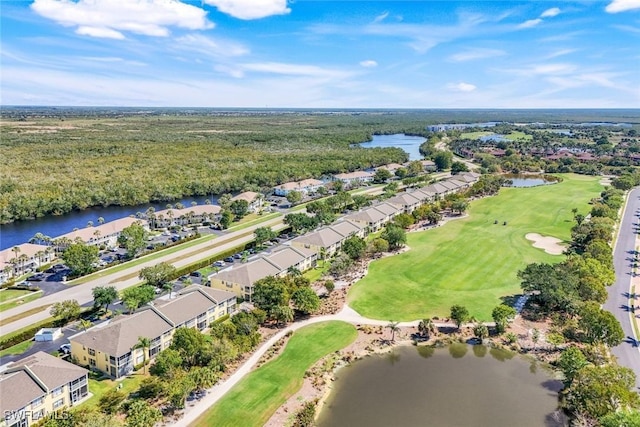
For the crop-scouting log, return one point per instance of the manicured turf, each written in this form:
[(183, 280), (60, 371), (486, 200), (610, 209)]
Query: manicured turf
[(99, 387), (17, 349), (472, 261), (9, 294), (28, 297), (254, 399)]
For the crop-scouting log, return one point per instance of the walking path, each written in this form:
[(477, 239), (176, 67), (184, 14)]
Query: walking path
[(347, 314)]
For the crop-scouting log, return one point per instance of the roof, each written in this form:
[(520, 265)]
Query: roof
[(185, 307), (286, 257), (28, 249), (119, 336), (299, 185), (426, 163), (106, 229), (50, 370), (404, 199), (249, 196), (386, 208), (421, 194), (249, 273), (324, 237), (369, 215), (216, 295), (310, 182), (346, 227), (17, 390), (436, 188), (391, 167), (354, 175), (196, 210)]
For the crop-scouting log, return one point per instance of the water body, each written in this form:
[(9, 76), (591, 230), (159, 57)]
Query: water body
[(457, 386), (494, 137), (527, 180), (20, 232), (410, 144)]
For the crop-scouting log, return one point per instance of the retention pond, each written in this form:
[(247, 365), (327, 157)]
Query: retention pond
[(460, 385)]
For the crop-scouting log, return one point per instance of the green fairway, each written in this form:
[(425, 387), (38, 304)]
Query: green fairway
[(254, 399), (472, 261)]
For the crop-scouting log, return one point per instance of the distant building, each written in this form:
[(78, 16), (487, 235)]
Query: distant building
[(23, 258), (356, 178), (306, 186), (102, 235), (186, 216), (254, 199)]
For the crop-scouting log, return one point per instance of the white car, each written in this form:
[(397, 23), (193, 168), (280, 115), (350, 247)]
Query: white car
[(65, 348)]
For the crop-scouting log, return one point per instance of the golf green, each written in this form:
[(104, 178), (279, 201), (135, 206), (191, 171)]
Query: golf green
[(472, 261)]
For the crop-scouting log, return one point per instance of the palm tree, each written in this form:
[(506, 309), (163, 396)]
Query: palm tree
[(89, 223), (22, 259), (37, 238), (426, 328), (85, 324), (100, 220), (168, 287), (16, 250), (143, 343), (292, 271), (393, 326)]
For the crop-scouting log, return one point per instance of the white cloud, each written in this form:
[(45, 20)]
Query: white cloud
[(550, 13), (111, 18), (250, 9), (380, 17), (473, 54), (210, 47), (622, 6), (530, 23), (293, 69), (462, 87), (369, 63)]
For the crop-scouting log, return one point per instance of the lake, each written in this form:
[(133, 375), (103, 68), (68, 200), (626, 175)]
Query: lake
[(410, 144), (516, 180), (460, 385), (19, 232)]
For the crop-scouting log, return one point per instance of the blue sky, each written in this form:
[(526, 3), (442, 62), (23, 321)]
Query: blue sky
[(321, 54)]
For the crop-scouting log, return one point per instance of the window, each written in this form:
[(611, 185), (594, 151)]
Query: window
[(58, 403), (56, 392), (92, 352), (37, 416), (37, 402), (92, 362)]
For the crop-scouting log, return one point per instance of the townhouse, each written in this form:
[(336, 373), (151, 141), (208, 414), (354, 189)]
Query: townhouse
[(391, 167), (24, 258), (240, 278), (353, 179), (306, 186), (102, 235), (187, 216), (255, 200), (428, 165), (113, 347), (407, 201), (38, 385)]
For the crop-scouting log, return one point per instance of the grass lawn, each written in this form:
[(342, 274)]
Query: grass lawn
[(100, 387), (519, 136), (474, 135), (252, 219), (254, 399), (9, 294), (30, 296), (472, 261), (17, 349), (315, 274)]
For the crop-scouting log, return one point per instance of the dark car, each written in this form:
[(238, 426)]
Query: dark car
[(237, 256), (229, 259), (196, 274), (36, 277)]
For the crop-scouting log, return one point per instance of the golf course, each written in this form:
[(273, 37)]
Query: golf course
[(473, 261), (257, 396)]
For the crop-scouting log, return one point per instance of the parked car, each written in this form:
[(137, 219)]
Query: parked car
[(237, 256), (36, 277), (65, 348), (219, 264), (229, 259), (196, 274)]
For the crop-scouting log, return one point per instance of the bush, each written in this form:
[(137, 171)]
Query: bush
[(305, 416)]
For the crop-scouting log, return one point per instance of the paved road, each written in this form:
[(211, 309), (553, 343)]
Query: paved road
[(628, 353), (82, 293)]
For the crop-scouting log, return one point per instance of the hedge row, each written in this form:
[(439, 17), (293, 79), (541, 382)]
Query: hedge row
[(26, 335)]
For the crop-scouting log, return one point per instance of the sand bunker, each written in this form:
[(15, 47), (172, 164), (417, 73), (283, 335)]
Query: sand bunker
[(551, 245)]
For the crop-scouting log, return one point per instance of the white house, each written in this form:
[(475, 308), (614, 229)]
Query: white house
[(354, 178), (26, 257), (103, 235)]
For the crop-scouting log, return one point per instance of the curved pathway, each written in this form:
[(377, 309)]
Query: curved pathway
[(619, 300), (347, 314)]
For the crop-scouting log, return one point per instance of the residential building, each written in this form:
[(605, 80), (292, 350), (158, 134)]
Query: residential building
[(24, 258), (407, 201), (38, 385), (370, 217), (113, 347), (324, 241), (391, 167), (254, 199), (428, 165), (306, 186), (102, 235), (187, 216), (353, 179)]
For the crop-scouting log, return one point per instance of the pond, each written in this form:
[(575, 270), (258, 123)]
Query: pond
[(459, 385), (514, 180), (410, 144)]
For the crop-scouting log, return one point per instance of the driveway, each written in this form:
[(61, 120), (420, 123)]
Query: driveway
[(628, 353)]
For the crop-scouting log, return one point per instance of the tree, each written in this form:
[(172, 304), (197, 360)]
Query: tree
[(414, 168), (300, 222), (329, 285), (137, 296), (66, 310), (158, 274), (110, 401), (340, 265), (393, 327), (426, 328), (239, 208), (360, 201), (443, 160), (152, 388), (600, 326), (624, 418), (264, 234), (80, 258), (270, 293), (381, 176), (459, 314), (103, 296), (226, 218), (379, 245), (85, 324), (570, 362), (404, 220), (459, 206), (457, 167), (480, 331), (501, 315), (394, 235), (143, 343), (354, 247), (294, 197), (166, 363), (141, 414), (305, 300), (283, 314), (134, 239), (600, 390), (191, 345), (225, 200)]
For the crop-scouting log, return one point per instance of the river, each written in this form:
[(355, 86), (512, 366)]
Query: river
[(410, 144), (461, 385), (18, 232)]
